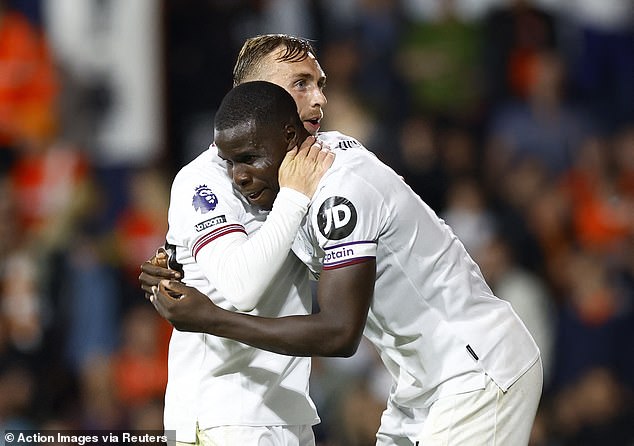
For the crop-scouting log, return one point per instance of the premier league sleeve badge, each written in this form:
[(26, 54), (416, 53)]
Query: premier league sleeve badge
[(204, 200)]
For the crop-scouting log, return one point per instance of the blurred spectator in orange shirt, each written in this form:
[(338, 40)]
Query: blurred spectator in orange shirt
[(601, 215), (28, 84), (142, 224), (51, 184)]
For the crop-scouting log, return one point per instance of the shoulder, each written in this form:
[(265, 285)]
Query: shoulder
[(352, 159), (357, 174), (337, 140), (352, 177), (206, 167), (204, 183)]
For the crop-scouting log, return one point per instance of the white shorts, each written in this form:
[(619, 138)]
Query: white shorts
[(486, 417), (254, 435)]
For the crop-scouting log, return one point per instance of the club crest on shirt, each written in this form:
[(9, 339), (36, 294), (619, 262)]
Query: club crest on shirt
[(337, 218), (204, 200)]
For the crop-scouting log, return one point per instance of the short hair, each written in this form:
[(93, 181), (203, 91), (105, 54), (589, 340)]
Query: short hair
[(265, 104), (257, 48)]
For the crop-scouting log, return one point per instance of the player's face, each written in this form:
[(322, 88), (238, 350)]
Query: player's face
[(304, 80), (253, 161)]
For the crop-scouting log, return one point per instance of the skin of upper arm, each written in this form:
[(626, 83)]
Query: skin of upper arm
[(344, 296)]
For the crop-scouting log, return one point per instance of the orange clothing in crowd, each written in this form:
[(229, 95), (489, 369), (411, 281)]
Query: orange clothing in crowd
[(139, 233), (599, 217), (45, 183), (28, 83)]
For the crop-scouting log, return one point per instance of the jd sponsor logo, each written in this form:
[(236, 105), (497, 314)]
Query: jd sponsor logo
[(337, 218)]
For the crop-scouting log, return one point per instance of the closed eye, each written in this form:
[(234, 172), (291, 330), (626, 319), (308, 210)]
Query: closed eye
[(247, 159)]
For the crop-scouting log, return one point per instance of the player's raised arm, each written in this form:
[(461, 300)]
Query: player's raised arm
[(344, 296), (241, 269)]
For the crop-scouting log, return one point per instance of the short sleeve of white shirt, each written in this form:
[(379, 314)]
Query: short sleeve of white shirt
[(346, 216)]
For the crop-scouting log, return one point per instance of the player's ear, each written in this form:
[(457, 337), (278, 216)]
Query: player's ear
[(291, 135)]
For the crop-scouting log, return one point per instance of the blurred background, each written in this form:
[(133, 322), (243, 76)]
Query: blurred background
[(513, 119)]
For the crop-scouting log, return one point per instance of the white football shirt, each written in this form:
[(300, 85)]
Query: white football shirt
[(214, 381), (433, 319)]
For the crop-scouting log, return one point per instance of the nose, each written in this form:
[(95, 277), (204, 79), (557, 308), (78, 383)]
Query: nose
[(240, 175), (319, 98)]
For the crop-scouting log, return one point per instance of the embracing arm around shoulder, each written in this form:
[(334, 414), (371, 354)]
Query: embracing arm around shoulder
[(344, 296), (241, 268)]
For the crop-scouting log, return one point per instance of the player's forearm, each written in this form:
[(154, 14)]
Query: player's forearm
[(344, 299), (311, 335), (243, 269)]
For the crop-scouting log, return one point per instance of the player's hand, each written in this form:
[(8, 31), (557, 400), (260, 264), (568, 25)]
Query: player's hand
[(303, 167), (191, 311), (154, 270)]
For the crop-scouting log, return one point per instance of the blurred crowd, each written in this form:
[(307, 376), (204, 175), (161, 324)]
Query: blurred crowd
[(513, 119)]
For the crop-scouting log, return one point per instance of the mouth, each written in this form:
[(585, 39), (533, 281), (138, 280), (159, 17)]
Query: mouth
[(253, 196), (312, 125)]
